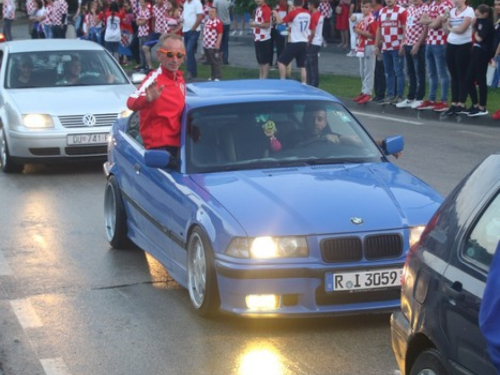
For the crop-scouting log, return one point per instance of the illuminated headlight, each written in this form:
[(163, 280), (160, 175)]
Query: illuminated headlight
[(268, 247), (124, 114), (36, 121), (415, 233)]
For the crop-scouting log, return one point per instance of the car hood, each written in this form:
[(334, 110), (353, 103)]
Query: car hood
[(60, 101), (322, 200)]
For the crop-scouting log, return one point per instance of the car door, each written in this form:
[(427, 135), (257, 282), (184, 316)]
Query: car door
[(463, 286)]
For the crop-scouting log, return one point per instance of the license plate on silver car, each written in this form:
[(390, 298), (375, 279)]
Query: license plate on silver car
[(346, 281), (87, 139)]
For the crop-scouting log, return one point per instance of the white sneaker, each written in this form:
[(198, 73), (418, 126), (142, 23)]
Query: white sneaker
[(416, 103), (351, 54), (217, 80), (405, 103), (233, 33), (241, 33)]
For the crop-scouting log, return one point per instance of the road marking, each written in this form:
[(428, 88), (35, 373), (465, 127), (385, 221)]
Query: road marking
[(474, 133), (387, 118), (54, 366), (25, 313), (4, 267)]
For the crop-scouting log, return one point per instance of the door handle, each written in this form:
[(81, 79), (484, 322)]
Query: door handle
[(454, 292), (137, 168)]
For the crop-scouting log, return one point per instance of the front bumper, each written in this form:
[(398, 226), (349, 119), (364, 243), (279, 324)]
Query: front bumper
[(400, 334), (53, 144), (301, 291)]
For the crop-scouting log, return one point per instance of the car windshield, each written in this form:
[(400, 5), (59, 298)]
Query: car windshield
[(62, 68), (278, 134)]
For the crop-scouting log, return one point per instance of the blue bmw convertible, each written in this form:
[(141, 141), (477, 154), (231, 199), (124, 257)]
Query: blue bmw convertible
[(279, 203)]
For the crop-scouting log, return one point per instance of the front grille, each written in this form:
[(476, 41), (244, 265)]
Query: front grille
[(86, 150), (383, 246), (46, 151), (76, 121), (339, 250), (352, 249), (345, 298)]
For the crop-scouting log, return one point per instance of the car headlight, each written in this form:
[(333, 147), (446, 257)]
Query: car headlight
[(268, 247), (37, 121), (415, 233)]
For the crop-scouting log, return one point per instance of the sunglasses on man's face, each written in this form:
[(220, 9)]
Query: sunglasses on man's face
[(171, 54)]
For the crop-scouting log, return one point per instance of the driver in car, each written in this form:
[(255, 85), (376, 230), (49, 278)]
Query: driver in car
[(73, 74)]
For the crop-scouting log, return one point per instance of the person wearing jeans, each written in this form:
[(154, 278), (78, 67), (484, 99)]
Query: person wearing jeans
[(435, 55), (9, 14), (414, 52), (192, 16), (392, 24)]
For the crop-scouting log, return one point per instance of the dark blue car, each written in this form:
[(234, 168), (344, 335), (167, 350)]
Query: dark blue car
[(437, 331), (281, 204)]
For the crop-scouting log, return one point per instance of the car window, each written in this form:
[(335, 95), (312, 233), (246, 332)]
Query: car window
[(62, 68), (133, 128), (483, 238), (267, 135)]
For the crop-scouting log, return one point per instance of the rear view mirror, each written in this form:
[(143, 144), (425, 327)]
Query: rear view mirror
[(157, 158), (393, 145)]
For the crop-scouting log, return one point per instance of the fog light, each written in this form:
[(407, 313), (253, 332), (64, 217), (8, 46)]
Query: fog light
[(262, 301)]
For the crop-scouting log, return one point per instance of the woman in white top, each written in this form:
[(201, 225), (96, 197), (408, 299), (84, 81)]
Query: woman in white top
[(458, 25)]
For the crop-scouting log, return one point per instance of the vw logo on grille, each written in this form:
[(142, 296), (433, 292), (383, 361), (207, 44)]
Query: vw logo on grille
[(357, 220), (89, 119)]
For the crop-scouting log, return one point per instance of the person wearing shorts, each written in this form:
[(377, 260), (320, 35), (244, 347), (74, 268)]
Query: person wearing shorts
[(261, 27), (299, 20)]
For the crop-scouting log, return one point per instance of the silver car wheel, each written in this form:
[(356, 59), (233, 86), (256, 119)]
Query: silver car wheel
[(115, 217), (197, 270)]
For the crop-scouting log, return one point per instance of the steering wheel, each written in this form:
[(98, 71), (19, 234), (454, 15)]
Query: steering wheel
[(309, 142)]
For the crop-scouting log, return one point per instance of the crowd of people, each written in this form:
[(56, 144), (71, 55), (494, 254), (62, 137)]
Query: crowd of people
[(399, 43)]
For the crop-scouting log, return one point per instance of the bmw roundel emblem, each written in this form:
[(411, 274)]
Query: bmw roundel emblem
[(89, 119), (357, 220)]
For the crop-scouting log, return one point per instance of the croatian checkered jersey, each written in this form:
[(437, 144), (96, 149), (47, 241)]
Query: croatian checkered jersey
[(206, 11), (326, 9), (299, 20), (413, 26), (9, 9), (159, 18), (30, 7), (49, 10), (212, 29), (60, 9), (144, 13), (391, 22), (367, 24), (436, 9), (262, 15)]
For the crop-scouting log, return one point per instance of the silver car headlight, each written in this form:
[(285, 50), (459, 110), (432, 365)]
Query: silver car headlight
[(268, 247), (38, 121), (415, 233)]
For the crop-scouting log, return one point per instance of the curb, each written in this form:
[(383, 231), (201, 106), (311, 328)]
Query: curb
[(421, 115)]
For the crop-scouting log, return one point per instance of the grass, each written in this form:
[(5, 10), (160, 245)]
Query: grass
[(341, 86)]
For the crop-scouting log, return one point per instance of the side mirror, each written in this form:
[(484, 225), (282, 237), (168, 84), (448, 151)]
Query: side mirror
[(393, 145), (137, 78), (157, 158)]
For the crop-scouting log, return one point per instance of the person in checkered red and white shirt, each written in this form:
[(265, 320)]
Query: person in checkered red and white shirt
[(262, 36), (414, 52), (435, 49), (9, 14), (212, 38), (391, 29)]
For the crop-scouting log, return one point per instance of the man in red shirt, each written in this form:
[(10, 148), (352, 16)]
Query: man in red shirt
[(160, 98)]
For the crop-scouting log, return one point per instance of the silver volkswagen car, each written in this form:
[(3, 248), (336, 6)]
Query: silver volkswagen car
[(58, 99)]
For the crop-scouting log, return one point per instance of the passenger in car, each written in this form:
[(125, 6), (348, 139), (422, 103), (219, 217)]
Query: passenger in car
[(23, 75), (73, 74)]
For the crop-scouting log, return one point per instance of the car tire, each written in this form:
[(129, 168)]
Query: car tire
[(429, 362), (8, 166), (115, 217), (202, 282)]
